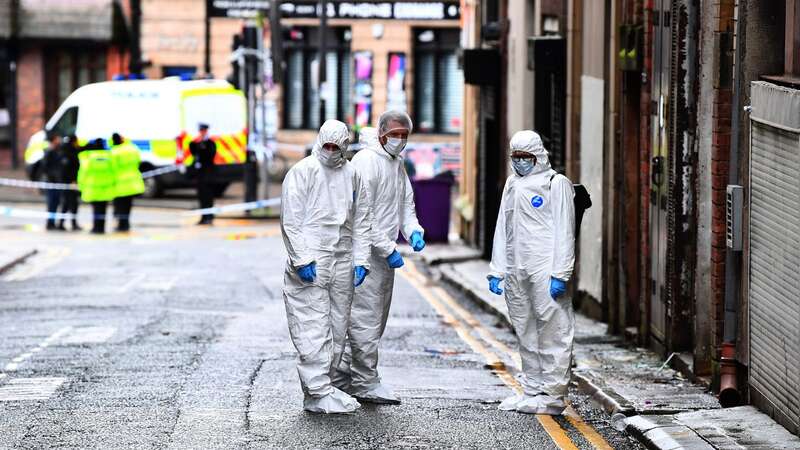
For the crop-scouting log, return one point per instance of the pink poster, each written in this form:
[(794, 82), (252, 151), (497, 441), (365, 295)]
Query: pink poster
[(362, 88)]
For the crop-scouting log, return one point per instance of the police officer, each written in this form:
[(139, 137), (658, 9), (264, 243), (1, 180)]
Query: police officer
[(69, 198), (203, 149), (96, 181), (53, 172), (128, 181)]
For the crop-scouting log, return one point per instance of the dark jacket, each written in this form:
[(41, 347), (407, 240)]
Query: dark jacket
[(203, 152), (52, 165), (70, 162)]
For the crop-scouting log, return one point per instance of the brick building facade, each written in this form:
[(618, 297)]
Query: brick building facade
[(173, 43), (49, 50)]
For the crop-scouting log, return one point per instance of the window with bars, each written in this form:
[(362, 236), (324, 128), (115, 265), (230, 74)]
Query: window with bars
[(438, 81), (301, 92), (68, 69)]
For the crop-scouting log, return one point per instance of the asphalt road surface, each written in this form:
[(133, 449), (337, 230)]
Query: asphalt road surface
[(175, 336)]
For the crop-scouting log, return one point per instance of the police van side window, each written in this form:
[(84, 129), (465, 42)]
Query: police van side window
[(67, 122)]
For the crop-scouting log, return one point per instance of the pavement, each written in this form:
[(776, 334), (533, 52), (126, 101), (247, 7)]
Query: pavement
[(636, 389), (175, 336), (11, 255)]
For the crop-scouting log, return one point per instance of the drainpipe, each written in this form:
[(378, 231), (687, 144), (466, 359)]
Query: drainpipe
[(135, 61), (729, 394)]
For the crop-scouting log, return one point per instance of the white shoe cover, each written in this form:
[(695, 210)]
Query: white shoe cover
[(379, 394), (341, 380), (542, 404), (510, 404), (333, 403)]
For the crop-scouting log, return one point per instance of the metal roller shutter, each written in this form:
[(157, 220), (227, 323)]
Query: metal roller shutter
[(774, 245)]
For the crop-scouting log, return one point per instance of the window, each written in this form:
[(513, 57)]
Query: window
[(551, 26), (301, 92), (438, 81), (67, 122), (69, 69)]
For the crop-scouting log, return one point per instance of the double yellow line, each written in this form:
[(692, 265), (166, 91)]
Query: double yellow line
[(465, 324)]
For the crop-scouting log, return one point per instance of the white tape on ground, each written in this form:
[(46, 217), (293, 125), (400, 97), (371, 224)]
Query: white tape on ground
[(14, 182), (236, 207), (8, 211)]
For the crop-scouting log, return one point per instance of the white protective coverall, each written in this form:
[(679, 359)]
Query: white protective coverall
[(392, 208), (534, 241), (324, 219)]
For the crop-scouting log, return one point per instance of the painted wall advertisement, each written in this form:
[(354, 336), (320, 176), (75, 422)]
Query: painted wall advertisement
[(396, 83), (362, 89)]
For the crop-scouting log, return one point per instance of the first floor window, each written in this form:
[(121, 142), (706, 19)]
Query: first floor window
[(301, 99), (68, 69), (438, 81)]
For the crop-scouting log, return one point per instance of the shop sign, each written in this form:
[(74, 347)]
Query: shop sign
[(421, 10)]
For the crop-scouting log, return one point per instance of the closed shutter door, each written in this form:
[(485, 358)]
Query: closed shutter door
[(312, 91), (332, 79), (450, 92), (425, 87), (774, 252), (294, 89), (345, 89)]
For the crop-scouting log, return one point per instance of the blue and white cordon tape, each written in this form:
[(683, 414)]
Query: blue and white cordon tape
[(14, 182)]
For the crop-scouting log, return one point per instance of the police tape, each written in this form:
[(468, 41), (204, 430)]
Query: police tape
[(161, 171), (14, 182), (235, 207), (21, 213)]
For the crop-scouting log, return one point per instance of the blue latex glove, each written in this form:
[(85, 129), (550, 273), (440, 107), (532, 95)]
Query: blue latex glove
[(417, 243), (557, 288), (308, 272), (359, 273), (494, 285), (395, 260)]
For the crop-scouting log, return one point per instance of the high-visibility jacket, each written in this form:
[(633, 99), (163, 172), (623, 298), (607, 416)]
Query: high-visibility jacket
[(96, 176), (128, 178)]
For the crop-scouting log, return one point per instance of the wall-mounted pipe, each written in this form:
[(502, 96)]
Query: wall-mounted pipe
[(729, 394)]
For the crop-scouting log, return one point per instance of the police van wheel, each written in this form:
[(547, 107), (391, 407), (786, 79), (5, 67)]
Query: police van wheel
[(152, 188)]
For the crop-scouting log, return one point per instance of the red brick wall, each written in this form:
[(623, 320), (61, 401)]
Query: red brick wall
[(5, 157), (30, 95), (720, 148), (116, 61)]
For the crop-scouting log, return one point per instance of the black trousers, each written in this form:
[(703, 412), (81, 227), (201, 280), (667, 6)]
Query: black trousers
[(69, 205), (122, 212), (205, 195), (53, 197), (99, 216)]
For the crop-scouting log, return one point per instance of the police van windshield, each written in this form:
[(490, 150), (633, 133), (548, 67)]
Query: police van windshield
[(66, 124), (224, 113)]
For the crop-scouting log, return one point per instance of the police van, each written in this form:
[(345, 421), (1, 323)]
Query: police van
[(161, 118)]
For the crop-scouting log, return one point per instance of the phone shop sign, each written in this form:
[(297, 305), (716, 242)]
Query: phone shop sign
[(340, 10)]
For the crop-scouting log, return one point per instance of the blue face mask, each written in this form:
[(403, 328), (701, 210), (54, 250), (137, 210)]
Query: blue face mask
[(522, 166)]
